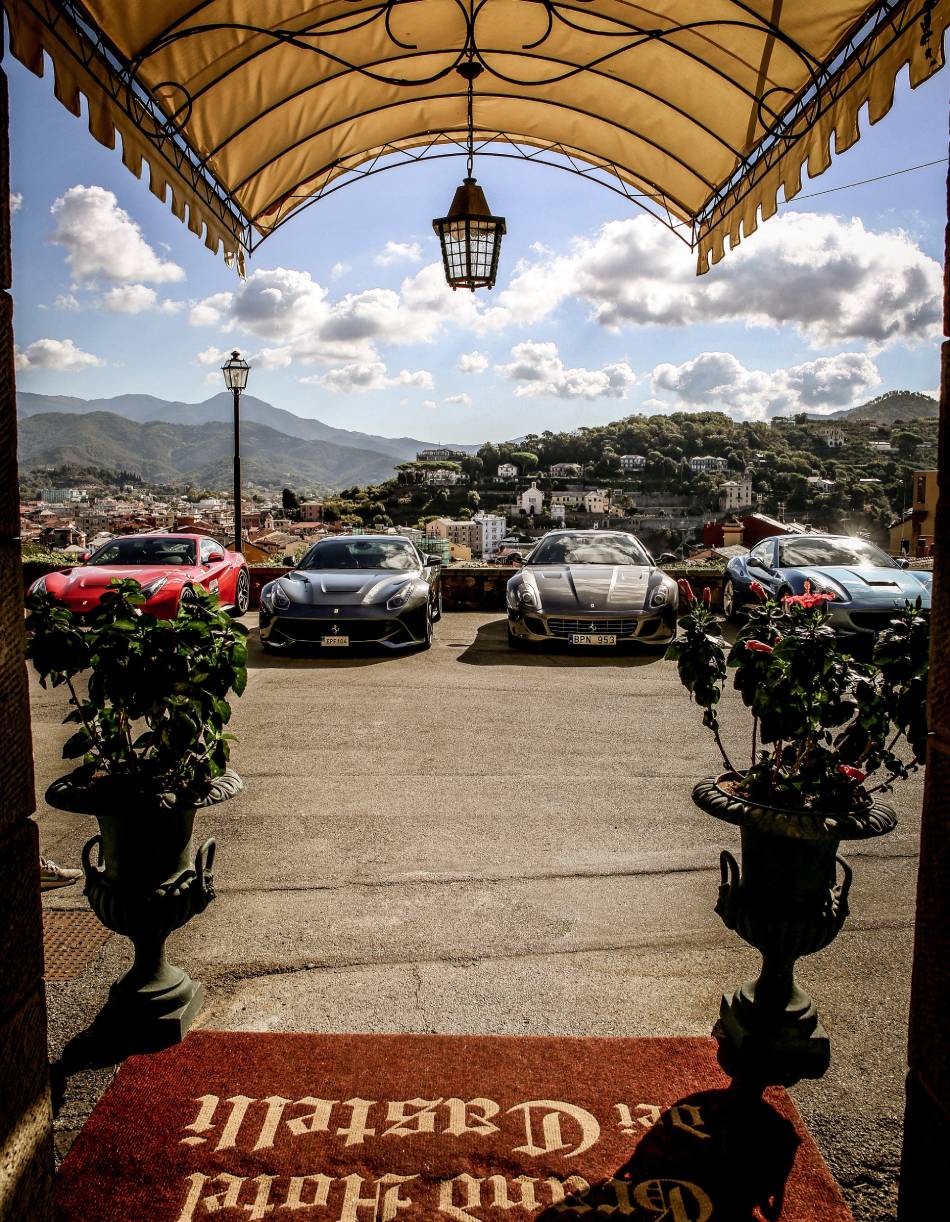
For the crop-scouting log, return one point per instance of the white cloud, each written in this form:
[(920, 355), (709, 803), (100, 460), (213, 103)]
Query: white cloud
[(831, 279), (137, 299), (463, 399), (211, 311), (338, 270), (473, 362), (429, 403), (718, 379), (369, 375), (16, 202), (103, 241), (65, 301), (212, 356), (399, 252), (59, 355), (539, 370)]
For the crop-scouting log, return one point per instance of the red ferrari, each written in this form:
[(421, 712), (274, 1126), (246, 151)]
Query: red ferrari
[(168, 568)]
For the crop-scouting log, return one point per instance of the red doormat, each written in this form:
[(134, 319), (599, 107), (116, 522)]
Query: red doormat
[(375, 1128)]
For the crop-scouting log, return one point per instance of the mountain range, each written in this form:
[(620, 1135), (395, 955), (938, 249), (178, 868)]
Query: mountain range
[(171, 441), (887, 408)]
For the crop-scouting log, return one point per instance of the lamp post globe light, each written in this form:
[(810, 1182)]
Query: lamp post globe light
[(236, 370)]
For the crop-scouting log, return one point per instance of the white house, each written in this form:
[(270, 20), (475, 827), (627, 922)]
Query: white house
[(736, 493), (507, 470), (632, 462), (832, 436), (820, 484), (707, 462), (569, 470), (444, 477), (531, 500), (493, 529), (557, 513)]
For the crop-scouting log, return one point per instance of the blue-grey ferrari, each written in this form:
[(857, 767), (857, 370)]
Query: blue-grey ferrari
[(867, 584)]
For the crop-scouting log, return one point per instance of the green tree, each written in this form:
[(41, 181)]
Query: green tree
[(524, 459)]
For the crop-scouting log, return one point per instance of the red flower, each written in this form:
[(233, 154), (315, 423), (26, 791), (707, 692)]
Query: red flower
[(707, 596), (758, 589), (807, 600), (853, 774), (758, 646), (686, 590)]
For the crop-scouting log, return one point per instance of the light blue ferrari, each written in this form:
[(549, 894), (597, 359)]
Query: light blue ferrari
[(867, 584)]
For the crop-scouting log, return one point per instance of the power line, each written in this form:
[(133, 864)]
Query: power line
[(864, 181)]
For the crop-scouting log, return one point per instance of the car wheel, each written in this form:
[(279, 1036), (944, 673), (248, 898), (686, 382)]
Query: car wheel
[(426, 642), (438, 614), (729, 608), (242, 592)]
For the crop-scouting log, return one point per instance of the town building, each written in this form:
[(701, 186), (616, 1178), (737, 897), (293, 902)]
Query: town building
[(707, 462), (444, 477), (311, 511), (832, 436), (912, 534), (569, 499), (58, 496), (566, 470), (507, 470), (819, 484), (596, 501), (467, 534), (736, 494), (433, 545), (531, 500), (493, 529), (632, 462), (440, 454)]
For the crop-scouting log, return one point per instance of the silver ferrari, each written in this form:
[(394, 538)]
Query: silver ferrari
[(591, 587)]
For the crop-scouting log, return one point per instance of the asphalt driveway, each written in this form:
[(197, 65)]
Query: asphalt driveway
[(477, 840)]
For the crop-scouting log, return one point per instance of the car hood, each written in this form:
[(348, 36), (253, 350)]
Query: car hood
[(594, 587), (874, 585), (344, 587), (93, 579)]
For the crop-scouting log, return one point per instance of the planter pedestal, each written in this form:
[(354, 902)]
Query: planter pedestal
[(145, 884), (787, 901)]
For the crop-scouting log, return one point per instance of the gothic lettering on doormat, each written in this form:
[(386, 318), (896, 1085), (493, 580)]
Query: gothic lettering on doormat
[(316, 1128)]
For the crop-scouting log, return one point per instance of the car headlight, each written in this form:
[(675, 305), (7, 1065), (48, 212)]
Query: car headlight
[(39, 586), (660, 596), (528, 597), (838, 593), (153, 587), (400, 598), (275, 596)]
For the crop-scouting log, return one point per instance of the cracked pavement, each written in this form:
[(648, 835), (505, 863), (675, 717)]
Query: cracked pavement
[(477, 840)]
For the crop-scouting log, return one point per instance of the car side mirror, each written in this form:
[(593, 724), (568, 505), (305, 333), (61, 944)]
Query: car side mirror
[(903, 563), (517, 561), (288, 560), (667, 558), (84, 556), (214, 557), (433, 559)]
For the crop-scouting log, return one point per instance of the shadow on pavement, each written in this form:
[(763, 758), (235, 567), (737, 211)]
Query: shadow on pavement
[(714, 1154), (302, 657), (491, 648)]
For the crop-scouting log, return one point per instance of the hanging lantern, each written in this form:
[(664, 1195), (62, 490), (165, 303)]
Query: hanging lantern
[(470, 236)]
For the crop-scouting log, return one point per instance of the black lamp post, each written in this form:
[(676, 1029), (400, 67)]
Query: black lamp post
[(235, 371), (470, 236)]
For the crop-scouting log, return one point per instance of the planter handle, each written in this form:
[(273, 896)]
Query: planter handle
[(730, 876), (842, 890), (94, 843)]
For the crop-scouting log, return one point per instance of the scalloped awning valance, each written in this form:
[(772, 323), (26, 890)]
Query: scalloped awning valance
[(704, 110)]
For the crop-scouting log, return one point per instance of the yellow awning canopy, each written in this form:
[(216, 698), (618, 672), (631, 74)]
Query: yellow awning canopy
[(704, 109)]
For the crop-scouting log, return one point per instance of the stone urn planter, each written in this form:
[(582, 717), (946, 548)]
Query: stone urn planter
[(150, 732), (828, 734), (144, 880), (788, 899)]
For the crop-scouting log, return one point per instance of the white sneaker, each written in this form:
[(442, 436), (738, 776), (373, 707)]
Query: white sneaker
[(53, 876)]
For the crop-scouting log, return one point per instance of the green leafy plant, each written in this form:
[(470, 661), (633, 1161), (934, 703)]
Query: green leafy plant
[(828, 730), (154, 715)]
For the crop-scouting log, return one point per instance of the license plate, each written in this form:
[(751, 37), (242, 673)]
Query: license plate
[(331, 641), (593, 638)]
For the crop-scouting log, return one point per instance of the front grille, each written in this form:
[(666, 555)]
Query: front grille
[(620, 626), (355, 629), (875, 621)]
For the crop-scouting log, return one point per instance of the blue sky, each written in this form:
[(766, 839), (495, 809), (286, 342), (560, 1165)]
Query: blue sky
[(597, 313)]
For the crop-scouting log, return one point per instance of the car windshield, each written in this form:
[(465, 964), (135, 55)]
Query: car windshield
[(145, 550), (589, 549), (828, 553), (360, 554)]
